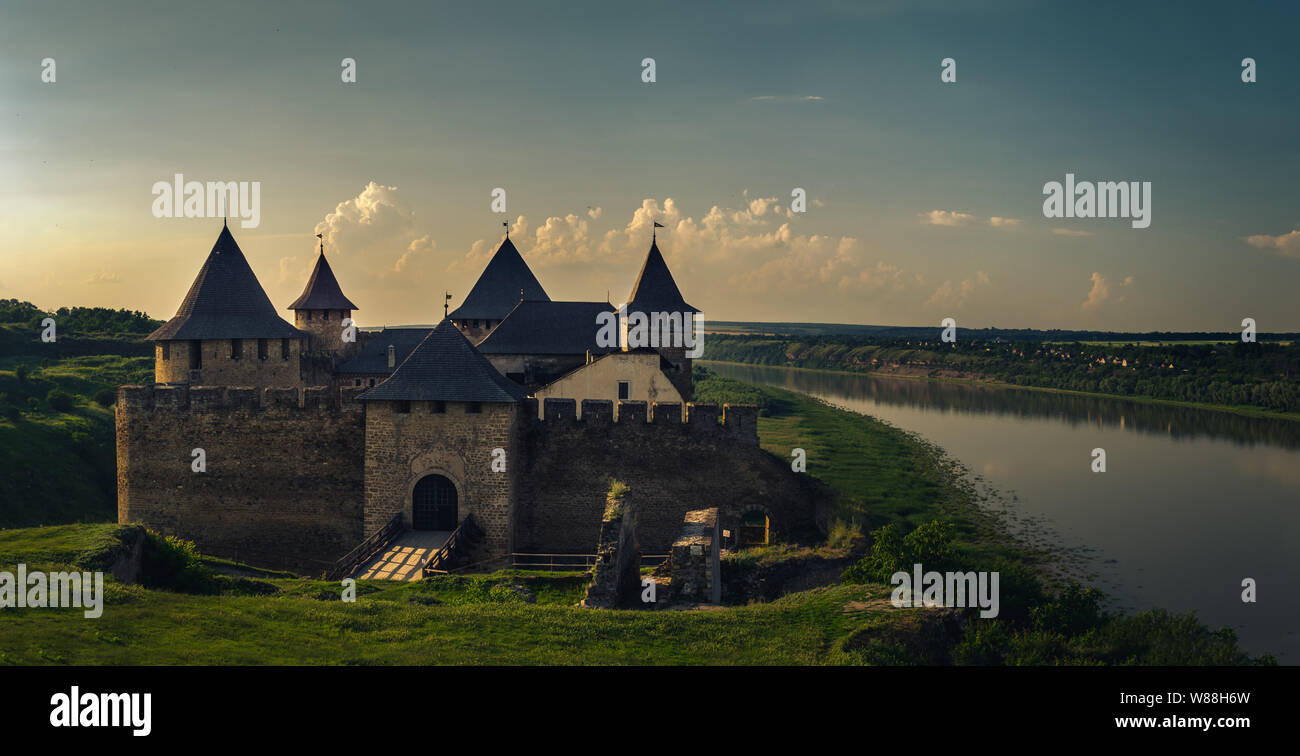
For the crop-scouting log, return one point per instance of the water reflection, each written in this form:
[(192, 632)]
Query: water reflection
[(1192, 501), (935, 396)]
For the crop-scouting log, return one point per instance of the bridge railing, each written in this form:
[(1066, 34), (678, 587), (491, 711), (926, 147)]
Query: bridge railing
[(366, 550), (571, 562), (463, 536)]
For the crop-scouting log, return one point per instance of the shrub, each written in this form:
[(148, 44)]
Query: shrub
[(984, 644), (843, 535), (106, 397), (173, 563), (21, 372), (615, 499), (1075, 610), (60, 401), (929, 545)]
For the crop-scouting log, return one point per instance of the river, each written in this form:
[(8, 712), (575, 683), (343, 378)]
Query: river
[(1192, 501)]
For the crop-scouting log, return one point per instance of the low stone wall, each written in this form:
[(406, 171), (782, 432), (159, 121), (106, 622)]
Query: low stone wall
[(694, 564), (616, 579)]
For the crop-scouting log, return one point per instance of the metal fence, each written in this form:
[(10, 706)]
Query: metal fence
[(571, 562)]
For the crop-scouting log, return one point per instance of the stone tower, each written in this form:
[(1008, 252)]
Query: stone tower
[(443, 437), (656, 295), (321, 311), (226, 332), (504, 283)]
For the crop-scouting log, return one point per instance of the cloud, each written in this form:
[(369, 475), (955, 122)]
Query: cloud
[(594, 213), (1101, 292), (1287, 245), (956, 296), (104, 278), (417, 250), (373, 222), (947, 218), (376, 235), (754, 248), (1070, 232), (952, 218), (787, 98)]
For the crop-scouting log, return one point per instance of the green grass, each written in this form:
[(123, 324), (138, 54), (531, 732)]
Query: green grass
[(155, 627), (85, 546), (60, 467)]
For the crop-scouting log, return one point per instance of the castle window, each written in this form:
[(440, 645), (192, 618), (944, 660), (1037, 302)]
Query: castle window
[(166, 350), (437, 408), (236, 349), (309, 314), (325, 315), (473, 408), (402, 408), (372, 382), (263, 349), (284, 349), (196, 355), (624, 390)]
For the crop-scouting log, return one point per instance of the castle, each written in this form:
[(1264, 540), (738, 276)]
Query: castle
[(288, 445)]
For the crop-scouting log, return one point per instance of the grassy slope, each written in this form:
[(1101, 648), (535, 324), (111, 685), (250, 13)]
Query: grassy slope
[(59, 467), (881, 473)]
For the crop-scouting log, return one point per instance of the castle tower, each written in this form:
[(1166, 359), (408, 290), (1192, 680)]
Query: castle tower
[(226, 332), (443, 438), (321, 310), (656, 295), (504, 283)]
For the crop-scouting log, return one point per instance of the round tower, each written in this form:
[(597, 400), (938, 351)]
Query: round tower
[(323, 312), (226, 332)]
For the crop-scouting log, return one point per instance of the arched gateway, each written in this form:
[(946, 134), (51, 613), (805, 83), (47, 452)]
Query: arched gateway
[(433, 504)]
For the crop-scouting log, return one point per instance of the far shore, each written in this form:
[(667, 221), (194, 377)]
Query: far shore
[(910, 373)]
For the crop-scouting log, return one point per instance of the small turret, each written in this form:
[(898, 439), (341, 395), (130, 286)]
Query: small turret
[(322, 310), (656, 295)]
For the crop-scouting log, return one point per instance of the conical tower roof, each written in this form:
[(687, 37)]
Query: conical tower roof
[(498, 289), (226, 302), (322, 292), (446, 367), (655, 289)]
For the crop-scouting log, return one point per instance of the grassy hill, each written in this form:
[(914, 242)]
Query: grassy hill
[(57, 452)]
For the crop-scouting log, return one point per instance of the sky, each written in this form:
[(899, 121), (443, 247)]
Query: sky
[(924, 198)]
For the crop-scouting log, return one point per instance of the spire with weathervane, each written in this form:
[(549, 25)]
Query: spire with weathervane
[(323, 309)]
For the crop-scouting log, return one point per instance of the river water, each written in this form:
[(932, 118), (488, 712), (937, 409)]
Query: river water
[(1191, 503)]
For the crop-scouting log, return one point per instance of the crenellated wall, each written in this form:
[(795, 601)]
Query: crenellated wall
[(283, 484), (675, 464), (296, 477)]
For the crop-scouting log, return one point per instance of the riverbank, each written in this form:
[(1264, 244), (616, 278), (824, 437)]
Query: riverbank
[(907, 372), (884, 477)]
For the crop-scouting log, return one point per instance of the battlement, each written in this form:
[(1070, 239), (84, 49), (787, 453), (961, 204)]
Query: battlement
[(738, 421), (222, 399)]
